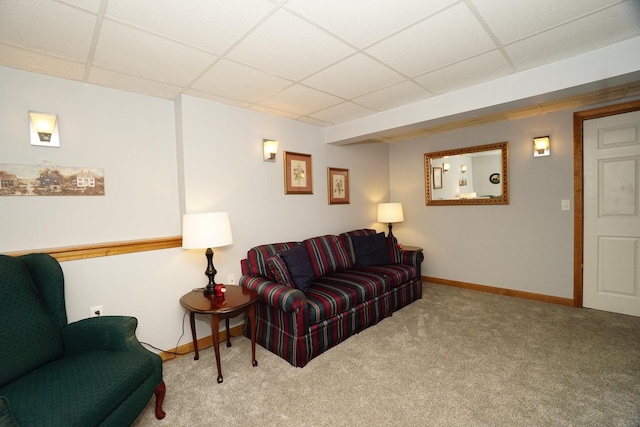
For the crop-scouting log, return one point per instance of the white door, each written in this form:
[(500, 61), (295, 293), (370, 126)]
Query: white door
[(611, 272)]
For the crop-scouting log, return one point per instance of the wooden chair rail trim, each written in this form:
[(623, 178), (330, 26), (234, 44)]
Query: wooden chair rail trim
[(72, 253), (501, 291)]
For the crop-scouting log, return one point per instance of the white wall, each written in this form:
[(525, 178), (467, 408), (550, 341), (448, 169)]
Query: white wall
[(160, 159), (526, 245)]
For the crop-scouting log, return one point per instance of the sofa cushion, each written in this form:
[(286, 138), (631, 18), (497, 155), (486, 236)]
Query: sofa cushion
[(371, 250), (393, 274), (28, 328), (293, 267), (340, 291), (328, 254), (95, 384), (348, 242), (257, 258)]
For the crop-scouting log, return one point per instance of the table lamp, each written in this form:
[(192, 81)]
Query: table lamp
[(207, 230), (390, 213)]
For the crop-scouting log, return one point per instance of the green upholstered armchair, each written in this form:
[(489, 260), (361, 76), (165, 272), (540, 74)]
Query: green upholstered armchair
[(87, 373)]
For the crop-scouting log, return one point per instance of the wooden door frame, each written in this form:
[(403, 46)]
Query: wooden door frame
[(578, 181)]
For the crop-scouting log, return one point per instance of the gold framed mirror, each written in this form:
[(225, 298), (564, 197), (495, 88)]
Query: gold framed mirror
[(468, 176)]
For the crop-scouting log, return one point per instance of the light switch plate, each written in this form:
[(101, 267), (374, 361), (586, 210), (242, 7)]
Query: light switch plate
[(566, 205)]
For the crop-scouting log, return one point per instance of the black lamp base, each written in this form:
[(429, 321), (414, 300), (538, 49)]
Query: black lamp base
[(210, 272)]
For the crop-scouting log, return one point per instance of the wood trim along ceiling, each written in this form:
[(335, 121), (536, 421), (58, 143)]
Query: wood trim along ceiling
[(72, 253)]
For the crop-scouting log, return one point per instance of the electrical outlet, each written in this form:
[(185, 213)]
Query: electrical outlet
[(231, 279), (96, 311), (565, 205)]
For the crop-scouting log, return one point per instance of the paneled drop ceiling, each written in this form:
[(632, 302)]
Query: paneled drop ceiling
[(323, 62)]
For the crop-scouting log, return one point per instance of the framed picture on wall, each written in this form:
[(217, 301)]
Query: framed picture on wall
[(297, 173), (437, 178), (338, 186)]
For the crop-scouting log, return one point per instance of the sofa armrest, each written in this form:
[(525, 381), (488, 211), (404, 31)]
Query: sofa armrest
[(278, 296), (412, 258), (111, 333)]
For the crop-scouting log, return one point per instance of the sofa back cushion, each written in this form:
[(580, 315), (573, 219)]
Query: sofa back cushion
[(371, 250), (257, 258), (293, 268), (348, 241), (328, 254), (29, 336)]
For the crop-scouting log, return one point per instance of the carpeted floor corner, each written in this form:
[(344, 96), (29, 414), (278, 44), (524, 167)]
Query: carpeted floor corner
[(454, 358)]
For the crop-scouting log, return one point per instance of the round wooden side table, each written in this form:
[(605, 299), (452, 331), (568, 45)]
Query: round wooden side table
[(235, 301)]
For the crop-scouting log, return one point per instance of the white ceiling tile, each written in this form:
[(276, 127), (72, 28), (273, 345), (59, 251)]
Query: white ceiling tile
[(393, 96), (300, 100), (90, 5), (235, 81), (128, 83), (212, 25), (220, 99), (140, 54), (39, 63), (592, 32), (527, 17), (47, 27), (341, 113), (442, 39), (362, 22), (354, 76), (274, 112), (288, 46), (482, 68)]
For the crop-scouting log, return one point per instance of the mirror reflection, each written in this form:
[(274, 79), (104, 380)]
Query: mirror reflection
[(468, 176)]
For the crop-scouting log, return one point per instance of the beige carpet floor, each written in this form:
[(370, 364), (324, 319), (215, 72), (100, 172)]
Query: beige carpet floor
[(454, 358)]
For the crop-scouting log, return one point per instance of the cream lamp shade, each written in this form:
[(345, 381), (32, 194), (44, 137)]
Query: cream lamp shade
[(206, 230), (390, 213)]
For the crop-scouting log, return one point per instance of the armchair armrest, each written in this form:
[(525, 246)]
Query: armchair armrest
[(6, 418), (111, 333), (278, 296)]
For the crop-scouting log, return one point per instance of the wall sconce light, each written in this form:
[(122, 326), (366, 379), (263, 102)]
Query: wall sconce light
[(270, 148), (43, 129), (541, 146), (463, 168), (446, 167)]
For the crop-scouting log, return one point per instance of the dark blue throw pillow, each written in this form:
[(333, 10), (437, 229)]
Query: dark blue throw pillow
[(299, 265), (371, 250)]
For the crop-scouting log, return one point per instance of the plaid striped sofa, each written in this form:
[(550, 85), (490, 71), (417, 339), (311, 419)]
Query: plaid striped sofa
[(343, 298)]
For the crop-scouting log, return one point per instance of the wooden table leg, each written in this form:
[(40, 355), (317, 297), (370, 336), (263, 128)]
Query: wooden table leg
[(228, 333), (215, 325), (192, 321), (252, 325)]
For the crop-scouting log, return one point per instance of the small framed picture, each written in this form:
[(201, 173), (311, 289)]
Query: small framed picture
[(437, 178), (297, 173), (338, 186)]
